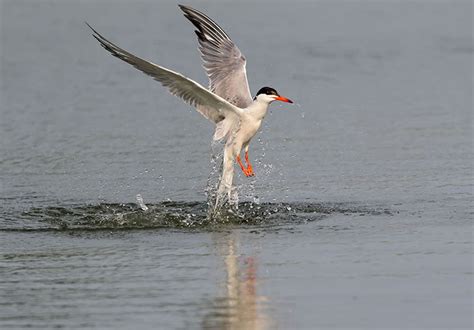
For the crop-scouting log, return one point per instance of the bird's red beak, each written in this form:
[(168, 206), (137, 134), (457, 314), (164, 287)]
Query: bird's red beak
[(283, 99)]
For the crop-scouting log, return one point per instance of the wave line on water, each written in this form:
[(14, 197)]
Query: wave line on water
[(171, 214)]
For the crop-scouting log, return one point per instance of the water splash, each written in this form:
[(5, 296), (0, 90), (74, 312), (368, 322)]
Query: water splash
[(141, 203), (171, 214)]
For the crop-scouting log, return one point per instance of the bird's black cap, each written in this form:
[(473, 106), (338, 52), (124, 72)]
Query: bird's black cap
[(268, 91), (272, 91)]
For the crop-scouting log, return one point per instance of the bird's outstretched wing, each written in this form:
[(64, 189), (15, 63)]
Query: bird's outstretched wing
[(223, 61), (210, 105)]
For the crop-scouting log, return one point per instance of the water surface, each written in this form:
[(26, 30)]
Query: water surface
[(360, 214)]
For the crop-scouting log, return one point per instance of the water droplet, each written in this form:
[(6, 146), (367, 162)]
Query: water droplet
[(141, 203)]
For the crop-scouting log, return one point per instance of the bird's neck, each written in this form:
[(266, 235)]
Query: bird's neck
[(258, 109)]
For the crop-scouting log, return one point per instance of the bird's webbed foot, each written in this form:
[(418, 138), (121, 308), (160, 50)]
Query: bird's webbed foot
[(248, 171)]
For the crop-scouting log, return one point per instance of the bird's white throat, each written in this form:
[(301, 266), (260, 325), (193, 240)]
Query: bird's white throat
[(259, 107)]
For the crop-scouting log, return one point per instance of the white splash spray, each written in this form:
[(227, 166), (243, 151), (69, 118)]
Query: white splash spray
[(141, 203)]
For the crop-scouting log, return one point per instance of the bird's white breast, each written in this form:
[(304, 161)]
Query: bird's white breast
[(251, 120)]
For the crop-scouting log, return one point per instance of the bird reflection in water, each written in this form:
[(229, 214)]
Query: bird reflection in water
[(240, 307)]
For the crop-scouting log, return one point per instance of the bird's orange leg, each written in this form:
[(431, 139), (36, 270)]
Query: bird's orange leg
[(242, 165), (249, 166)]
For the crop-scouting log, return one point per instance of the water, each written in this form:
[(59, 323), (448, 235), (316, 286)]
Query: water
[(360, 214)]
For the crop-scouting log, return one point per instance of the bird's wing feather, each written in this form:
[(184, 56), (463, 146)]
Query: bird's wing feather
[(210, 105), (223, 61)]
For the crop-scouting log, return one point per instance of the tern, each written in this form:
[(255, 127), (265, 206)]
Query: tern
[(227, 103)]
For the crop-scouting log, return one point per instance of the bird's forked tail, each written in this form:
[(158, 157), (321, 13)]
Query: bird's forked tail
[(226, 192)]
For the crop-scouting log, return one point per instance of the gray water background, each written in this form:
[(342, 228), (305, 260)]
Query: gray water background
[(377, 154)]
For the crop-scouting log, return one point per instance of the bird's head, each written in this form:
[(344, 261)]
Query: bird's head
[(268, 95)]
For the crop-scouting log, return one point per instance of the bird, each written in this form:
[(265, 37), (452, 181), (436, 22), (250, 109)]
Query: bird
[(227, 102)]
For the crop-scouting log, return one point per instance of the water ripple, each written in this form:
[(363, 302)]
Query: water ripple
[(171, 214)]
